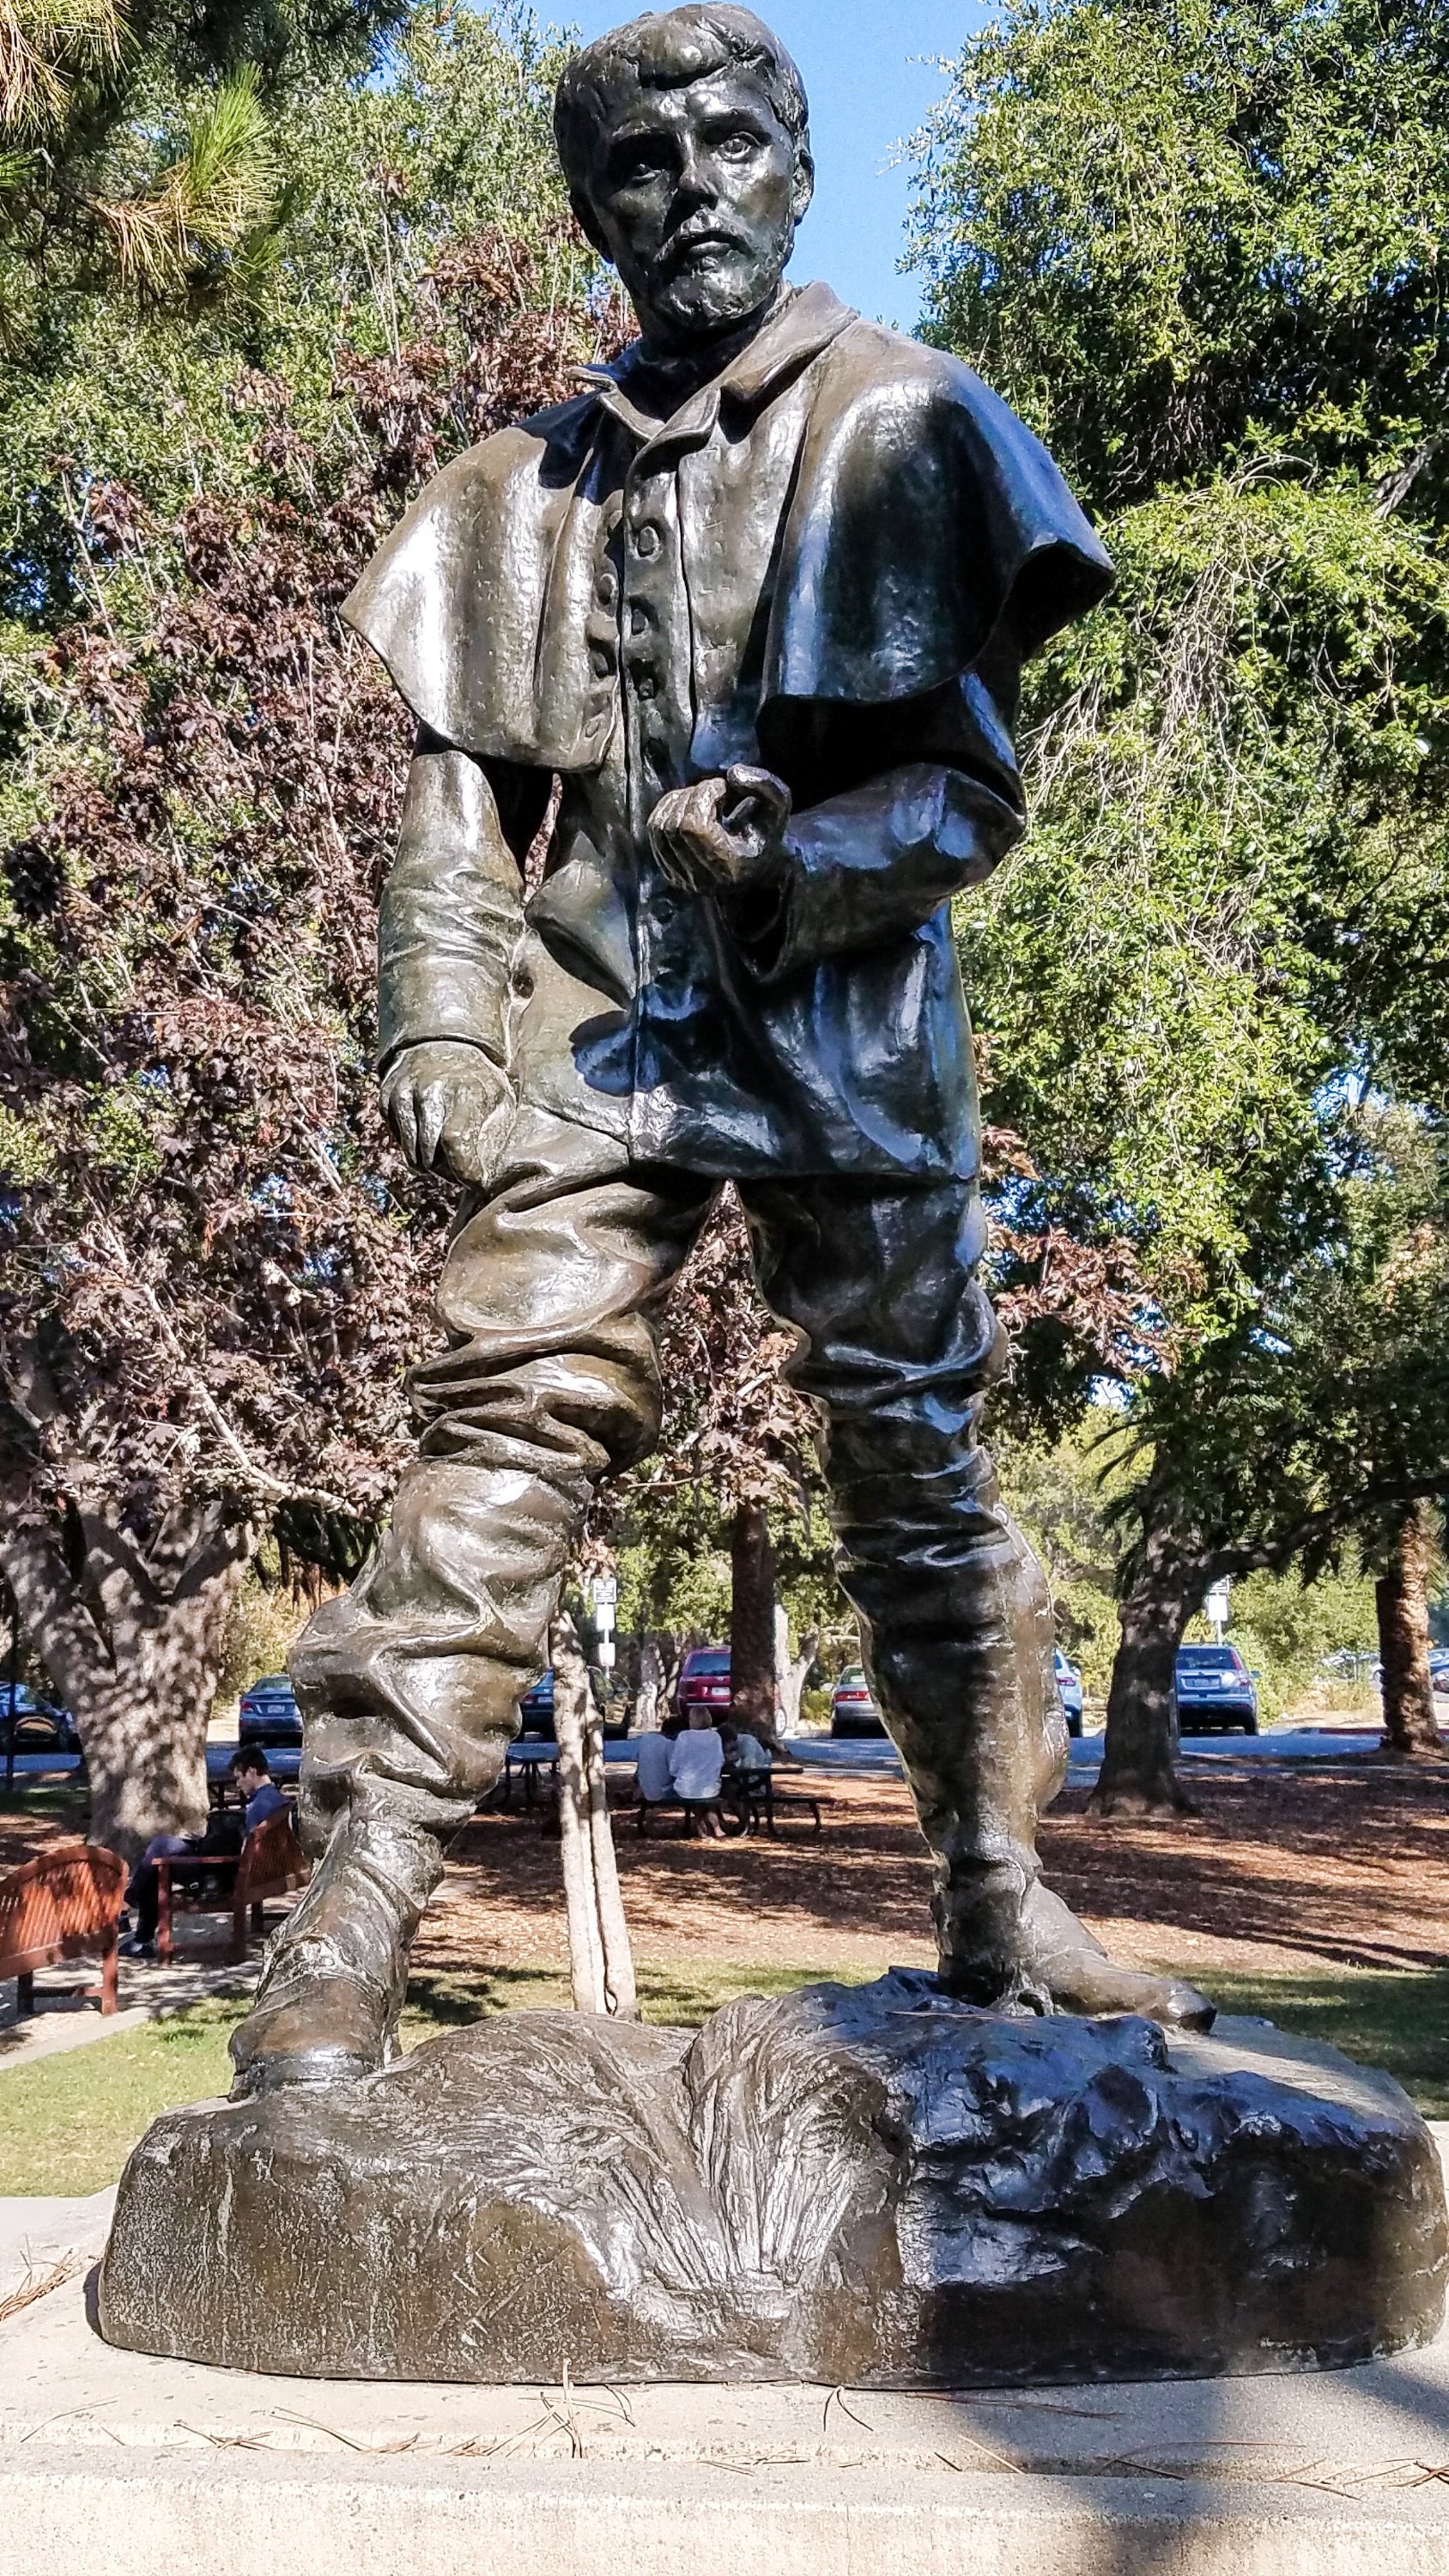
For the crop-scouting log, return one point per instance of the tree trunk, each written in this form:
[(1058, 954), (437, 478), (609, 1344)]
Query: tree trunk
[(601, 1965), (133, 1644), (651, 1701), (1139, 1762), (1401, 1598), (752, 1624), (792, 1671)]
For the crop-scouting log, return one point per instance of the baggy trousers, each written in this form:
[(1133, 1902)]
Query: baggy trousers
[(409, 1683)]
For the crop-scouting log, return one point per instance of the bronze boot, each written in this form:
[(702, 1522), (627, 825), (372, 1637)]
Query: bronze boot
[(974, 1710), (328, 2004)]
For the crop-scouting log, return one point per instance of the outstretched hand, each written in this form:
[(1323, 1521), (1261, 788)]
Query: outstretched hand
[(723, 835), (448, 1105)]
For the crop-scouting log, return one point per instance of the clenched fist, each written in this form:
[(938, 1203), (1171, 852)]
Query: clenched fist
[(448, 1104), (723, 835)]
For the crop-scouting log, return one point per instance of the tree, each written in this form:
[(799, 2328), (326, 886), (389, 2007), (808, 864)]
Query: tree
[(217, 1266), (138, 146), (1199, 249), (1402, 1602)]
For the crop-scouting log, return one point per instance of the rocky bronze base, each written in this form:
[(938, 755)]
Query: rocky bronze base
[(873, 2186)]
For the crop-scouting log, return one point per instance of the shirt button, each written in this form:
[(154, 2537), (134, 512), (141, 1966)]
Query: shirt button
[(646, 685), (607, 590), (639, 618), (645, 540), (601, 662)]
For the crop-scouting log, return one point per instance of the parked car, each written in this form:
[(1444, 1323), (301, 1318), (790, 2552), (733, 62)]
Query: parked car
[(1214, 1689), (704, 1681), (535, 1708), (40, 1727), (270, 1715), (1069, 1691), (852, 1710)]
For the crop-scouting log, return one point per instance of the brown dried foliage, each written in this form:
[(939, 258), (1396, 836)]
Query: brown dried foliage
[(225, 1267)]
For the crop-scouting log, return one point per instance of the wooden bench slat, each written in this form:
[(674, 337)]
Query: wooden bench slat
[(65, 1904)]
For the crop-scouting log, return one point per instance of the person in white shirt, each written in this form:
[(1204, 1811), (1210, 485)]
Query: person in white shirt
[(696, 1763)]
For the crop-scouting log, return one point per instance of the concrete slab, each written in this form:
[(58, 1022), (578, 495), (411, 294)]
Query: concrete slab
[(66, 2018), (112, 2464)]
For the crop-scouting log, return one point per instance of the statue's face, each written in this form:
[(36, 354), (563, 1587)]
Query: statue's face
[(694, 194)]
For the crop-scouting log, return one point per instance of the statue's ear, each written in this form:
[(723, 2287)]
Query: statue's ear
[(588, 222), (804, 184)]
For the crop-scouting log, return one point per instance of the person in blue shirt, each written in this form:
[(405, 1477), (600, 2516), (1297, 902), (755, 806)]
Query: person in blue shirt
[(259, 1797)]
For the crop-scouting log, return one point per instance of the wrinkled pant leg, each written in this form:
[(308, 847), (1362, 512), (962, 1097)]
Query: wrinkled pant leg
[(409, 1683), (900, 1346)]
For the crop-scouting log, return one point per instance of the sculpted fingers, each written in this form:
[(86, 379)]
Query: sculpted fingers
[(477, 1125), (432, 1113), (398, 1108), (687, 840)]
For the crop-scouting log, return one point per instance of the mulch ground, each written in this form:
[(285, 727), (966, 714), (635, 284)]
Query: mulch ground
[(1276, 1874), (1284, 1871)]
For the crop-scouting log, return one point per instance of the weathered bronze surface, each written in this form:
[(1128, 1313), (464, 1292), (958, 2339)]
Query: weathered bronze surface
[(758, 599), (862, 2186)]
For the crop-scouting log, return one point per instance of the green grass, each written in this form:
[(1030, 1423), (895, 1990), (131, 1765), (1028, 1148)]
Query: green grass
[(68, 2123), (1399, 2021)]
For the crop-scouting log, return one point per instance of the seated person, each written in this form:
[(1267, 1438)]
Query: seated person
[(696, 1764), (653, 1778), (225, 1833), (748, 1755)]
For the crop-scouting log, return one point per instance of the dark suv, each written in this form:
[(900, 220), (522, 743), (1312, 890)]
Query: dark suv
[(1214, 1689)]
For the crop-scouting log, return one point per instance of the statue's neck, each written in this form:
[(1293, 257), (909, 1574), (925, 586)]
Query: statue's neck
[(660, 378)]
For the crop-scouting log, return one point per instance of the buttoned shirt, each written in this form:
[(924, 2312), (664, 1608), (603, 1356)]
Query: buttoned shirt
[(651, 581)]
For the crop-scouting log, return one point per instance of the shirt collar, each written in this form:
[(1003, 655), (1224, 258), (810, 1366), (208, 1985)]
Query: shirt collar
[(805, 323)]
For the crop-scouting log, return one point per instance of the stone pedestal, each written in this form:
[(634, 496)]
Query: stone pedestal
[(866, 2186)]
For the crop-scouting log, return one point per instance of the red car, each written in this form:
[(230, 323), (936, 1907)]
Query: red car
[(704, 1680)]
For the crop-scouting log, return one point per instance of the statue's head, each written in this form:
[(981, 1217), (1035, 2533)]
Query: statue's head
[(685, 142)]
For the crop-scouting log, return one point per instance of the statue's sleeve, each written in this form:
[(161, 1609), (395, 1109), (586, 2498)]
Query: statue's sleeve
[(931, 545), (938, 805), (451, 914)]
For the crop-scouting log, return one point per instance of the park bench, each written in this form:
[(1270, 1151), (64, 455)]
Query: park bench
[(270, 1864), (65, 1905)]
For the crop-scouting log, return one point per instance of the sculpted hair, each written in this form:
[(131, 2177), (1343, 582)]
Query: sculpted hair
[(667, 49)]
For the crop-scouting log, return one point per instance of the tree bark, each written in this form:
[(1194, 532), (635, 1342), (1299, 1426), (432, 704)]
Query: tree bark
[(1139, 1761), (752, 1624), (601, 1965), (792, 1671), (1401, 1598), (133, 1644), (651, 1703)]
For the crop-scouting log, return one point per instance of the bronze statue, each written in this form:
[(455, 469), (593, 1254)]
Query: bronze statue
[(758, 596)]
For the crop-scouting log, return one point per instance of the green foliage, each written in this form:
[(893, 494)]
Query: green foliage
[(1285, 1628), (1067, 1499), (1172, 233), (1200, 248)]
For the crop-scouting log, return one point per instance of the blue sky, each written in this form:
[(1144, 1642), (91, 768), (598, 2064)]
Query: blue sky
[(870, 74)]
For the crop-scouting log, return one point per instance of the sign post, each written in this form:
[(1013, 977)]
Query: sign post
[(1216, 1606), (605, 1600)]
